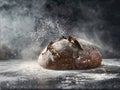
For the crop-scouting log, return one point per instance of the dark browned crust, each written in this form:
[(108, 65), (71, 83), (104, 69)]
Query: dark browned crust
[(48, 47), (69, 63), (52, 50), (74, 42)]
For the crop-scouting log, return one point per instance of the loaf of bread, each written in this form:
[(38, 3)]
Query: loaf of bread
[(70, 53)]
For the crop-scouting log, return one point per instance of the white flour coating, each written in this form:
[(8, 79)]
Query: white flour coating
[(60, 45)]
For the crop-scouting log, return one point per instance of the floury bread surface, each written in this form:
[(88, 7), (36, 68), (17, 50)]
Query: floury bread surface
[(70, 53)]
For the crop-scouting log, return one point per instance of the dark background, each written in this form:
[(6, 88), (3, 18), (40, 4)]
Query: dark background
[(26, 26)]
